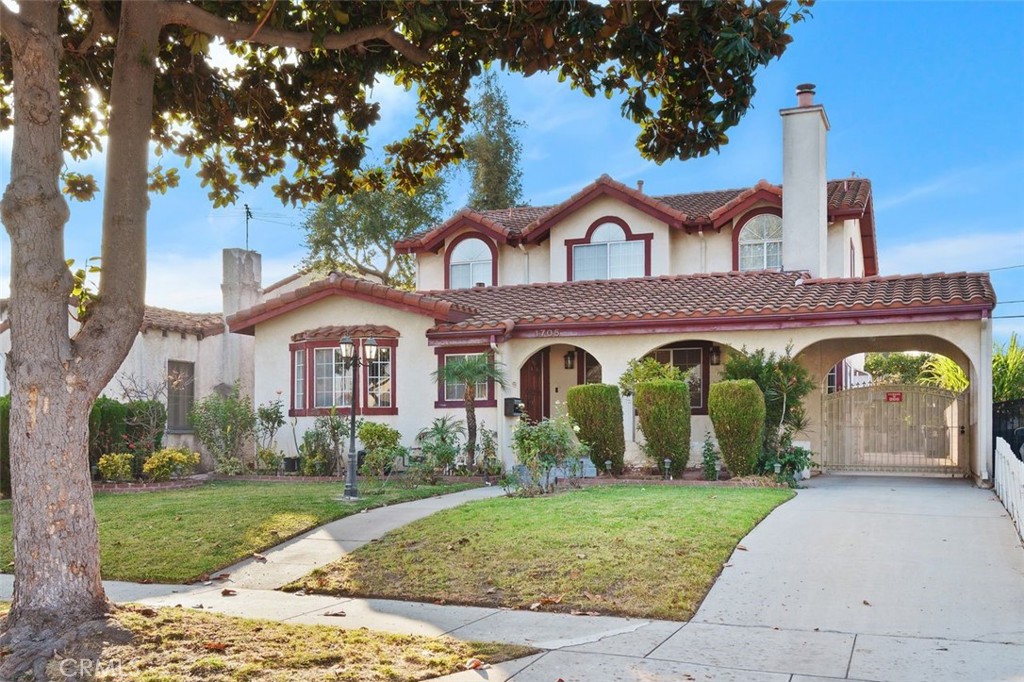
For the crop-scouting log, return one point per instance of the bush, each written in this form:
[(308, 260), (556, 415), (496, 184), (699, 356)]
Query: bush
[(116, 466), (543, 446), (222, 425), (664, 409), (784, 383), (268, 460), (737, 412), (647, 369), (709, 459), (375, 436), (597, 409), (317, 452), (107, 428), (163, 465)]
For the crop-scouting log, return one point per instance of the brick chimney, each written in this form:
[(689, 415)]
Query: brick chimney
[(804, 198)]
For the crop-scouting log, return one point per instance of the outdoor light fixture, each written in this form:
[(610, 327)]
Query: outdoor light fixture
[(350, 354), (608, 467), (570, 359), (716, 355), (668, 467)]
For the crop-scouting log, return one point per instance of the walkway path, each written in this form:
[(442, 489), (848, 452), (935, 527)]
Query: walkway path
[(857, 578)]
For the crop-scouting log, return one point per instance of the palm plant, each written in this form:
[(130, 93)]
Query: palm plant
[(441, 441), (945, 373), (1008, 371), (468, 371)]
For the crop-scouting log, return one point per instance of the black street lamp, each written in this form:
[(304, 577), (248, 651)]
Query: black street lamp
[(351, 354)]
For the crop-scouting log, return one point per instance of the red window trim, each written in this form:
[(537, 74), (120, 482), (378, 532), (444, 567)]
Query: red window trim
[(442, 353), (308, 347), (461, 238), (705, 369), (630, 237), (738, 229)]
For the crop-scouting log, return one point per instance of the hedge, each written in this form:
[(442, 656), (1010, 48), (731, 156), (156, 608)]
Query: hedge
[(664, 409), (110, 430), (597, 411), (736, 408)]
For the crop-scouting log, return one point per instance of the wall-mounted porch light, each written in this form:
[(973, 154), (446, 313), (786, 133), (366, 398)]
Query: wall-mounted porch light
[(716, 355), (570, 360)]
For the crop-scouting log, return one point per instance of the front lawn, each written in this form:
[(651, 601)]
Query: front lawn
[(180, 535), (180, 644), (648, 551)]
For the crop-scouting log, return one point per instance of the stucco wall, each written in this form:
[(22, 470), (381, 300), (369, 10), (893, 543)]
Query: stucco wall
[(575, 226)]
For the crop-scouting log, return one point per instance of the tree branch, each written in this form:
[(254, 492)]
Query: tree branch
[(12, 28), (184, 14), (101, 25)]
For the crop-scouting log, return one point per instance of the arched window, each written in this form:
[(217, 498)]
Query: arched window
[(760, 243), (470, 262), (610, 252)]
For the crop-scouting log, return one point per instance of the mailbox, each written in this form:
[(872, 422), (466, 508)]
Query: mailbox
[(514, 407)]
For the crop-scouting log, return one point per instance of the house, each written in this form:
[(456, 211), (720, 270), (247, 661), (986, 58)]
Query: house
[(192, 349), (568, 294)]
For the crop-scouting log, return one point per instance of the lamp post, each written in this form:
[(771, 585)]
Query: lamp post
[(351, 355)]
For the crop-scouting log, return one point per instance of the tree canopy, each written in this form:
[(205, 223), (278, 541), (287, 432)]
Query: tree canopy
[(356, 233), (79, 76), (493, 150)]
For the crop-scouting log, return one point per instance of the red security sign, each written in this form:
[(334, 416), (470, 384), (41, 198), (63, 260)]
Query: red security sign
[(894, 397)]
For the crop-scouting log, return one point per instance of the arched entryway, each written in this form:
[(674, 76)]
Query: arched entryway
[(549, 373)]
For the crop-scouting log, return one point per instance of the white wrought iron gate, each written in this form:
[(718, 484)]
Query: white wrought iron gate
[(900, 428)]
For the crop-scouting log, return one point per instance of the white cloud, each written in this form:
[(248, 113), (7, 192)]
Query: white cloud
[(973, 252)]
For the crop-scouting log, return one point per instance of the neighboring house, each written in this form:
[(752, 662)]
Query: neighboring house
[(182, 357), (568, 294)]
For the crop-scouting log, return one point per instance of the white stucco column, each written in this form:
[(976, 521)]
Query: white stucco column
[(981, 407), (804, 200), (240, 289)]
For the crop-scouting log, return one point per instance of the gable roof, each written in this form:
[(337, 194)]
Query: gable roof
[(732, 299), (847, 198), (338, 284)]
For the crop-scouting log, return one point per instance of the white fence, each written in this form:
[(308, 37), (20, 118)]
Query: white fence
[(1010, 483)]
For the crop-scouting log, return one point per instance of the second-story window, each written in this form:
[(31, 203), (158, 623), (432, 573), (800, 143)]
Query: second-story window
[(760, 243), (470, 264), (609, 255)]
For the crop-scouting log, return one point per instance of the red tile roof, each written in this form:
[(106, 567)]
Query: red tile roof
[(361, 331), (245, 321), (848, 197), (734, 298), (199, 324)]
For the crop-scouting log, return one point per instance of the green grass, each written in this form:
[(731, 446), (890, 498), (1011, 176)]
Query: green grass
[(181, 535), (629, 550), (180, 644)]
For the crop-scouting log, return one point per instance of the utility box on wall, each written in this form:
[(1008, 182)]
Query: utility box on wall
[(514, 407)]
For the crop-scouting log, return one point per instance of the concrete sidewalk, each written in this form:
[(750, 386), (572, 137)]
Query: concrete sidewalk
[(858, 578)]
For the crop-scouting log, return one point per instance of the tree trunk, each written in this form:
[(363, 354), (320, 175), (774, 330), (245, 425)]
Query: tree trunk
[(470, 400), (55, 379)]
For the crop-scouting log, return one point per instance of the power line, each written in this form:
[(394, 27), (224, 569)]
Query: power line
[(1005, 267), (1006, 317)]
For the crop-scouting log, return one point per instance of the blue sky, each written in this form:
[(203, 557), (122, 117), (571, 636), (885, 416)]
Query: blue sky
[(925, 98)]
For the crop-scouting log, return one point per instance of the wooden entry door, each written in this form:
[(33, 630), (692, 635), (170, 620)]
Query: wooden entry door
[(533, 386)]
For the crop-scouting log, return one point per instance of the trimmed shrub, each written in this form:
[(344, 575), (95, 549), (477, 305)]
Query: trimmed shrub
[(107, 428), (737, 411), (639, 370), (375, 436), (163, 465), (664, 409), (597, 410), (116, 466)]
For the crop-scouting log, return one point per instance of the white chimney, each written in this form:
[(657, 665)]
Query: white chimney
[(240, 289), (804, 199)]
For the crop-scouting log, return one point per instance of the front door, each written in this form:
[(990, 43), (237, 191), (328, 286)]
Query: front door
[(533, 386)]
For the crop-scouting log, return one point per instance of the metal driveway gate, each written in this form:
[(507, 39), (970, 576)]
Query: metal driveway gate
[(901, 428)]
